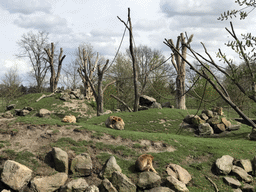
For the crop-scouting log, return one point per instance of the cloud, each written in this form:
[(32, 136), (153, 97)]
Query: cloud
[(26, 7), (43, 22), (149, 25), (194, 7)]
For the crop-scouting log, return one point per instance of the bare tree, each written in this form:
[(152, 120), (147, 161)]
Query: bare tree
[(10, 88), (87, 60), (179, 65), (71, 76), (134, 65), (54, 77), (32, 46)]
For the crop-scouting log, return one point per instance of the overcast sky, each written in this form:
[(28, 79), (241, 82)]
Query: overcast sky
[(72, 22)]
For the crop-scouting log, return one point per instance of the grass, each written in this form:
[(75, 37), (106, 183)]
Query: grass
[(195, 154)]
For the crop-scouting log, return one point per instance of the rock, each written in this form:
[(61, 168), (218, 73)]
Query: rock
[(21, 112), (5, 190), (196, 120), (76, 93), (148, 180), (232, 182), (218, 110), (29, 108), (115, 123), (92, 188), (69, 119), (237, 190), (81, 97), (15, 175), (205, 129), (209, 113), (160, 189), (106, 112), (106, 186), (214, 120), (122, 183), (179, 173), (247, 188), (175, 184), (49, 183), (78, 185), (10, 107), (60, 158), (64, 96), (145, 100), (226, 122), (224, 164), (233, 128), (166, 105), (142, 108), (241, 173), (72, 96), (156, 105), (204, 116), (82, 165), (44, 112), (8, 114), (254, 165), (246, 164), (188, 119), (109, 167), (219, 128)]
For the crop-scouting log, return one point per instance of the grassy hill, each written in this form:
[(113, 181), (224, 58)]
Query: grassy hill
[(153, 131)]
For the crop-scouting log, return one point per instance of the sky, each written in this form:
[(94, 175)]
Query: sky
[(73, 22)]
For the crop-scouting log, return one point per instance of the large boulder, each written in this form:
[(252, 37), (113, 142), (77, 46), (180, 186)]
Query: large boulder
[(224, 164), (109, 167), (82, 165), (49, 183), (78, 185), (242, 174), (148, 180), (122, 183), (15, 175), (175, 184), (106, 186), (115, 122), (44, 112), (205, 129), (179, 173), (145, 100), (10, 107), (60, 158)]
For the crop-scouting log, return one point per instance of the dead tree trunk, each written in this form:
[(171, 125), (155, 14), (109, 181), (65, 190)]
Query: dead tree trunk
[(179, 65), (87, 69), (54, 77), (135, 72)]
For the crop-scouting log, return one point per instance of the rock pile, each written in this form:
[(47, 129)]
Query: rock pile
[(210, 122), (241, 169), (75, 94), (110, 178), (146, 102)]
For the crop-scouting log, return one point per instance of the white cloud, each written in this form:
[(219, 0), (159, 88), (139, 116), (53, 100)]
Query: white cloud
[(26, 6), (43, 22)]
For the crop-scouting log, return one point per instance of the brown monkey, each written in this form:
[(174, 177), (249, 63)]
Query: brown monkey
[(144, 163)]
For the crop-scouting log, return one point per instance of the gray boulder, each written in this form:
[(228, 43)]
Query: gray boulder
[(148, 180), (44, 112), (106, 186), (145, 100), (82, 165), (15, 175), (8, 114), (179, 173), (60, 158), (224, 164), (242, 174), (122, 183), (205, 129), (77, 185), (246, 164), (232, 182), (49, 183), (160, 189), (175, 184), (109, 167), (92, 188)]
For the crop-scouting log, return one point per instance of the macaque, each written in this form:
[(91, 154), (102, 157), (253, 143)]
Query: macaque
[(69, 119), (144, 163)]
